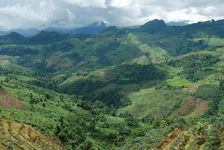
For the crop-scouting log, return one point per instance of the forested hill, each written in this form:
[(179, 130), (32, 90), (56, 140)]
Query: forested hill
[(153, 41), (153, 87)]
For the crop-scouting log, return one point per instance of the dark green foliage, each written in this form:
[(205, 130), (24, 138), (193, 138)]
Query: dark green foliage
[(153, 26), (82, 36), (76, 57), (14, 38), (64, 46), (137, 72), (83, 86), (17, 51), (105, 47), (131, 121), (196, 61), (213, 141), (179, 46), (70, 133), (110, 96), (211, 93), (45, 37), (195, 65), (221, 85), (104, 61)]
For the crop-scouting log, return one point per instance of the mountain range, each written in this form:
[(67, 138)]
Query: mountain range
[(93, 28), (155, 86)]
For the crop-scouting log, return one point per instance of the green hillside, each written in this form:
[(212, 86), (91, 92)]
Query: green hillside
[(153, 87)]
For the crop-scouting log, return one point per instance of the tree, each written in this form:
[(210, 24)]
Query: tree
[(221, 85)]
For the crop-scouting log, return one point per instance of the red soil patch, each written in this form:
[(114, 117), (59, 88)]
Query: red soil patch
[(201, 107), (111, 74), (22, 136), (186, 107), (192, 106), (165, 145), (191, 89), (84, 69), (81, 63), (9, 101)]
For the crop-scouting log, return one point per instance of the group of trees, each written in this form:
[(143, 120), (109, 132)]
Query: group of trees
[(17, 51), (195, 65), (213, 94), (138, 73)]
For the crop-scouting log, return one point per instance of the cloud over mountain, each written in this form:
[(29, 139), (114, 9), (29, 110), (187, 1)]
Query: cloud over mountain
[(73, 13)]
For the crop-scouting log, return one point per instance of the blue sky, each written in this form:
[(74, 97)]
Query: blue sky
[(40, 14)]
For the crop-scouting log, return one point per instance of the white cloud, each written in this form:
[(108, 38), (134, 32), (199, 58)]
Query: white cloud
[(85, 3), (120, 3), (190, 14), (73, 13)]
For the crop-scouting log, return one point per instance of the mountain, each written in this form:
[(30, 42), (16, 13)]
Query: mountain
[(93, 28), (24, 32), (181, 23), (47, 37), (153, 26), (152, 87), (16, 37)]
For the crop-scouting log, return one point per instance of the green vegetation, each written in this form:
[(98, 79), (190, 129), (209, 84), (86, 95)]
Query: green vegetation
[(156, 87)]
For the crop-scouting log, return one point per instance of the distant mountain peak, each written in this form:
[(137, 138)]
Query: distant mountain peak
[(177, 23), (153, 26), (93, 28), (98, 24), (111, 28), (15, 36), (155, 22)]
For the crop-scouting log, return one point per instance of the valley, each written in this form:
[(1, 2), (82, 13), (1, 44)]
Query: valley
[(155, 87)]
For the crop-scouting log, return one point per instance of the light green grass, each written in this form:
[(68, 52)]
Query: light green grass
[(142, 60), (114, 120), (213, 41), (156, 103), (72, 79), (2, 78), (25, 78), (216, 42), (211, 79), (156, 53), (180, 82)]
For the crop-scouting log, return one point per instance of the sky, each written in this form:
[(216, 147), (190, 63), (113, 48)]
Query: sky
[(24, 14)]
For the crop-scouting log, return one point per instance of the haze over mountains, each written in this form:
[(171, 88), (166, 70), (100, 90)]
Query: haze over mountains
[(90, 29), (93, 28)]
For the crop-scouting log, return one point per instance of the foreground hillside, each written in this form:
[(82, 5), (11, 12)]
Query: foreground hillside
[(20, 136), (152, 88)]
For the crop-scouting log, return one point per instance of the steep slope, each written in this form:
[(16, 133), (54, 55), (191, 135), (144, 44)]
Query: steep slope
[(9, 101), (20, 136)]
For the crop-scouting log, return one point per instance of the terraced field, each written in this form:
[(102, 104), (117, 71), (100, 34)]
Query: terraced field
[(180, 139), (166, 144), (9, 101), (19, 136)]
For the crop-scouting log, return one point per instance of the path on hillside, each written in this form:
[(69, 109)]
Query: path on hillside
[(165, 145)]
